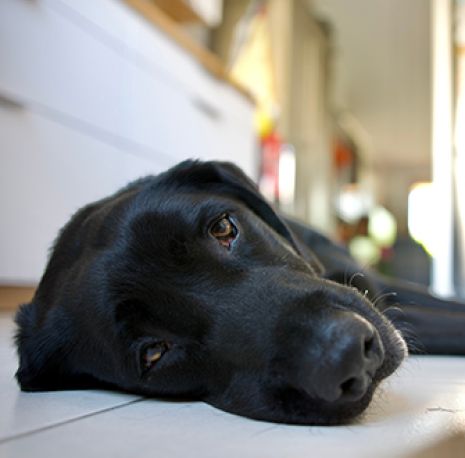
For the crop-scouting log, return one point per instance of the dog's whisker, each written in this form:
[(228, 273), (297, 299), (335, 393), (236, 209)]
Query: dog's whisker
[(383, 296), (354, 276), (394, 308)]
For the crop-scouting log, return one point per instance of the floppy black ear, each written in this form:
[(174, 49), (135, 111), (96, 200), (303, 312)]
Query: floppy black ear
[(43, 349), (230, 179)]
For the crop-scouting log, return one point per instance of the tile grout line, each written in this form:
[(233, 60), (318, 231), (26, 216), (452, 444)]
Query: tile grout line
[(66, 422)]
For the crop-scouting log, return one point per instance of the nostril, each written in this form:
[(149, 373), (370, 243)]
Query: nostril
[(373, 352), (354, 387), (347, 385), (368, 346)]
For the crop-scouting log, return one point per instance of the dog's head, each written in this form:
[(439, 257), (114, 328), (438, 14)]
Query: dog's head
[(189, 285)]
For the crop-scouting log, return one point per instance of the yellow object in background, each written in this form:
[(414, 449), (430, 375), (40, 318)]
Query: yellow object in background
[(252, 67)]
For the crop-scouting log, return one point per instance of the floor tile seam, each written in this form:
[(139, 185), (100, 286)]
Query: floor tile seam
[(50, 426)]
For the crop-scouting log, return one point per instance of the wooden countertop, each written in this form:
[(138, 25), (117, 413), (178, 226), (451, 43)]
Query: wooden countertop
[(207, 59)]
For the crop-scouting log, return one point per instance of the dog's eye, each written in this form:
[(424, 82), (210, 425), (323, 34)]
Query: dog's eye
[(153, 353), (222, 228), (224, 231)]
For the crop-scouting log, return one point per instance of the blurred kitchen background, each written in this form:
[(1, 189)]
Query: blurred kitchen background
[(349, 114)]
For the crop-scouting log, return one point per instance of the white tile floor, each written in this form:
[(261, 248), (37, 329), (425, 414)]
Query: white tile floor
[(418, 409)]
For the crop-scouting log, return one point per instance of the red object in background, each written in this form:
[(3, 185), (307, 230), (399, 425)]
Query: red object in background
[(343, 155), (269, 173)]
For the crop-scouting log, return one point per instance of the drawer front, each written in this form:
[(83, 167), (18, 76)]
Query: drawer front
[(54, 63)]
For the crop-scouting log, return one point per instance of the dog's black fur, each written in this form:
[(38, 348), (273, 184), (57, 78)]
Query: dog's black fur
[(272, 321)]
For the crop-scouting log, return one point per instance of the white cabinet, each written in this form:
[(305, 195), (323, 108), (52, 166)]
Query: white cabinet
[(100, 97)]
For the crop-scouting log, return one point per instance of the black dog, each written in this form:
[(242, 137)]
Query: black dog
[(189, 285)]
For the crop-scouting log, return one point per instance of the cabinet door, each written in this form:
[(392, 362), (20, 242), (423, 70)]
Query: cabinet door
[(48, 171)]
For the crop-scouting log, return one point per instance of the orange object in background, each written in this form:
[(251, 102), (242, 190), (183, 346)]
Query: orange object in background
[(343, 155)]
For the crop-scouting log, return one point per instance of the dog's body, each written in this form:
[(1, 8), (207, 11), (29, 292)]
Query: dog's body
[(188, 284)]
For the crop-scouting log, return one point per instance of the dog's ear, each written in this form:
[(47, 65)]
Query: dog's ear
[(44, 344), (230, 179)]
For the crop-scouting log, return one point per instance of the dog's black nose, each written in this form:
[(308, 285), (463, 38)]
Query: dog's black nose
[(349, 351)]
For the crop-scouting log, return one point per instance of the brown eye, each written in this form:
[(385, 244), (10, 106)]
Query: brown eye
[(153, 353), (224, 231)]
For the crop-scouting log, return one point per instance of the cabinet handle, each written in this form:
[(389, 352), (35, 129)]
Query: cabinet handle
[(8, 102), (207, 109)]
